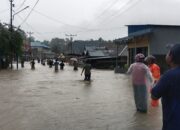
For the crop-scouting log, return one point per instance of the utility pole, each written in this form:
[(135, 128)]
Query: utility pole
[(71, 40), (11, 30), (30, 34)]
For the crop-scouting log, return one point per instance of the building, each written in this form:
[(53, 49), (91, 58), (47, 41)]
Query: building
[(78, 46), (150, 40), (103, 58), (26, 50), (39, 50), (101, 54), (93, 51)]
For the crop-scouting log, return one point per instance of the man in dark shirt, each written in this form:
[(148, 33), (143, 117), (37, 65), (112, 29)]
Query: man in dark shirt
[(168, 88), (87, 71)]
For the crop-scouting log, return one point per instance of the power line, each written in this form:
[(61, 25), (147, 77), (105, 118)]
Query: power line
[(71, 40), (109, 7), (21, 4), (104, 11), (32, 28), (35, 31), (131, 6), (30, 12), (86, 29), (30, 33), (102, 29), (58, 21), (120, 13), (118, 10), (112, 16)]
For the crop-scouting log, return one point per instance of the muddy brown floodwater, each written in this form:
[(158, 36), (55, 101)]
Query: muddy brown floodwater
[(41, 99)]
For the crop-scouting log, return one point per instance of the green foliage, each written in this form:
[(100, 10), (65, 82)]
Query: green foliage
[(6, 46), (17, 42), (45, 42), (57, 45), (126, 66), (4, 40)]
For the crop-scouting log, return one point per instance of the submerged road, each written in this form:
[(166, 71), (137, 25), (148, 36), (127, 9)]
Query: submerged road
[(41, 99)]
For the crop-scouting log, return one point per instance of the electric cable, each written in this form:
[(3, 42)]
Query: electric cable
[(21, 5), (117, 11), (57, 21), (85, 29), (115, 2), (120, 13), (104, 11), (29, 13), (109, 7), (32, 28)]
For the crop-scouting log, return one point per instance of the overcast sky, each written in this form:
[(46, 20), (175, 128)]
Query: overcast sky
[(89, 19)]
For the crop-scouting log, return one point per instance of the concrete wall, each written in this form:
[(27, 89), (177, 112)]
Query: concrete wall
[(162, 36)]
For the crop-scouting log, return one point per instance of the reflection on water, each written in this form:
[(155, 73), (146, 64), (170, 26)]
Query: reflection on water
[(42, 99)]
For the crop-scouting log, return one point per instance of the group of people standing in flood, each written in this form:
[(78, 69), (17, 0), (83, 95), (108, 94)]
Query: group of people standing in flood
[(166, 87), (145, 74), (56, 64), (140, 74), (86, 68), (50, 62)]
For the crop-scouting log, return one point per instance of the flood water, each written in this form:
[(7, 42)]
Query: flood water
[(42, 99)]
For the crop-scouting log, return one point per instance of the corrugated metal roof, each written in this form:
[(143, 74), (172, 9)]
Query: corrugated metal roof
[(39, 44), (133, 35), (96, 53), (142, 32), (160, 25)]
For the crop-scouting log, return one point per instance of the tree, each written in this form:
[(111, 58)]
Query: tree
[(31, 39), (57, 45), (17, 40), (45, 42), (91, 39), (100, 39), (6, 48), (4, 40)]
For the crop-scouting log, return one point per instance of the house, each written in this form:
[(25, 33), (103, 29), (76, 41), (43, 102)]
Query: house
[(39, 50), (26, 50), (102, 54), (103, 58), (79, 46), (150, 40), (93, 51)]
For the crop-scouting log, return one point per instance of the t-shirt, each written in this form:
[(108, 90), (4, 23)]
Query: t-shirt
[(155, 70), (87, 69), (62, 64), (56, 65), (168, 89)]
